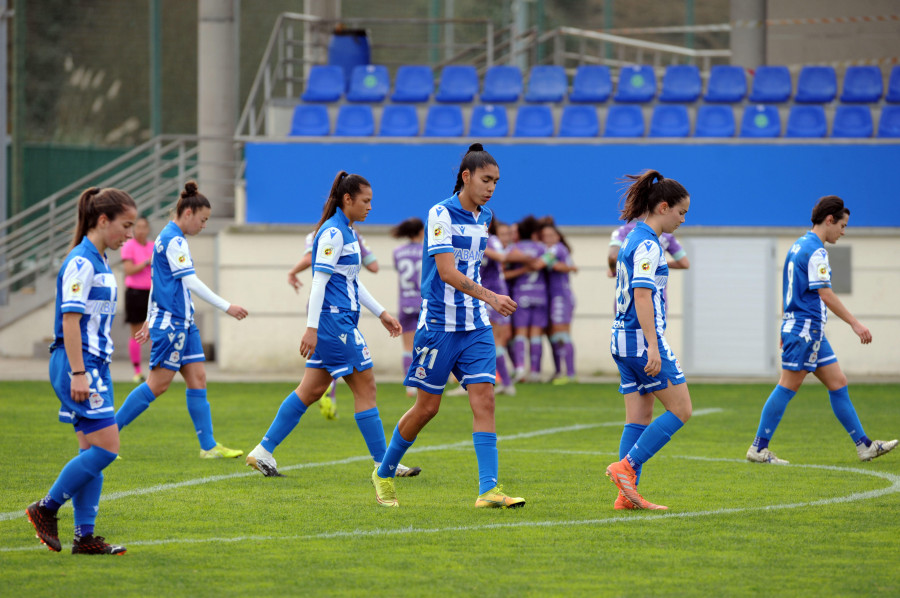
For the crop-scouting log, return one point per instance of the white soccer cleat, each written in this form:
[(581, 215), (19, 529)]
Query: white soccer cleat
[(509, 391), (403, 471), (876, 449), (262, 461), (519, 374), (459, 391), (534, 377), (764, 456)]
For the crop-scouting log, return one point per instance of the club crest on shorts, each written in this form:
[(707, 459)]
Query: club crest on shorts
[(420, 373), (95, 400)]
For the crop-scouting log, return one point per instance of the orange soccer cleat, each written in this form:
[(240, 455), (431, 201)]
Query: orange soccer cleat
[(622, 475)]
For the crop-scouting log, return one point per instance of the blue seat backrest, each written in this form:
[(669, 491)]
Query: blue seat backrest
[(771, 84), (444, 121), (310, 119), (681, 83), (534, 120), (368, 83), (624, 120), (547, 83), (670, 120), (760, 120), (637, 83), (806, 121), (355, 120), (502, 83), (862, 84), (727, 83), (893, 90), (413, 83), (399, 120), (592, 83), (325, 84), (489, 120), (714, 120), (459, 83), (579, 121), (852, 121), (816, 85), (889, 123)]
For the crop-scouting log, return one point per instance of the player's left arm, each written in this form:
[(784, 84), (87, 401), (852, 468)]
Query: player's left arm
[(837, 307), (389, 322)]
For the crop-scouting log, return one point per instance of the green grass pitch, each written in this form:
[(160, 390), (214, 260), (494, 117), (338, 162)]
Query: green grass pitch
[(825, 525)]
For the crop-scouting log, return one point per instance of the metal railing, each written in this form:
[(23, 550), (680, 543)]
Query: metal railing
[(34, 242)]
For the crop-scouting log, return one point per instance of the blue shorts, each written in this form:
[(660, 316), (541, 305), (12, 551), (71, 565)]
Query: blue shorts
[(471, 355), (635, 379), (340, 348), (798, 353), (173, 348), (99, 404)]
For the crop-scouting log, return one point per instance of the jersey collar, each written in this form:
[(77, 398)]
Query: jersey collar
[(458, 205), (178, 228), (89, 245), (649, 228), (339, 214)]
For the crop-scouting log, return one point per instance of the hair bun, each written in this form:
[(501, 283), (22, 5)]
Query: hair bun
[(190, 188), (92, 191), (476, 147)]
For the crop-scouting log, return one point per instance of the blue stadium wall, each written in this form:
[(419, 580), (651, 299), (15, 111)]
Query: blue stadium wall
[(733, 184)]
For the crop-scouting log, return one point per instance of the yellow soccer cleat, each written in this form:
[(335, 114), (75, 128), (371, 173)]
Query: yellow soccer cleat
[(327, 407), (220, 452), (495, 499), (384, 490)]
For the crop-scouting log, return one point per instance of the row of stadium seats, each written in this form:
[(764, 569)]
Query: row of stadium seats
[(622, 120), (593, 84)]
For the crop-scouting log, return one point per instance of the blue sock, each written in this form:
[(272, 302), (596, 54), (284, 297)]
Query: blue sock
[(771, 415), (78, 472), (287, 418), (488, 460), (136, 403), (630, 435), (369, 424), (653, 438), (846, 414), (198, 408), (86, 502), (395, 451)]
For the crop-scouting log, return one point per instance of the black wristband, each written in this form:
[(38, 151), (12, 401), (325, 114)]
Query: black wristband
[(81, 373)]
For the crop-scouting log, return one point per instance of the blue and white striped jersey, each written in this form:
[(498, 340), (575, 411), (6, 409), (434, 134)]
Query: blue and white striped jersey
[(171, 305), (641, 264), (806, 270), (86, 285), (336, 252), (451, 229)]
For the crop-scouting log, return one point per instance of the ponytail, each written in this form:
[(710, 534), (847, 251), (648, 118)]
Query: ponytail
[(474, 159), (343, 184), (647, 190), (95, 201), (191, 199)]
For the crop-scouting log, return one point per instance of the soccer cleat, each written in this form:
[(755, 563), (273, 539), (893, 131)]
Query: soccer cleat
[(519, 374), (534, 377), (327, 407), (384, 490), (876, 449), (138, 378), (495, 499), (92, 544), (407, 472), (411, 391), (563, 380), (622, 475), (262, 461), (508, 390), (623, 503), (764, 456), (459, 391), (220, 452), (45, 525)]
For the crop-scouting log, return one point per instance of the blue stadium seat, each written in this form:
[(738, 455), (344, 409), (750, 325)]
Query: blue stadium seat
[(893, 90), (325, 84), (399, 120), (579, 121), (444, 121), (488, 121), (534, 120), (816, 85), (624, 120), (458, 84), (310, 119), (670, 120), (771, 84), (681, 83), (889, 123), (413, 83), (354, 120), (368, 83), (727, 83), (862, 84), (852, 121), (760, 121), (806, 121), (547, 83), (714, 120), (502, 84), (592, 83), (637, 83)]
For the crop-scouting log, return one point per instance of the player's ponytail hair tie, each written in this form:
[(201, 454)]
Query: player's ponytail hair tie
[(94, 202)]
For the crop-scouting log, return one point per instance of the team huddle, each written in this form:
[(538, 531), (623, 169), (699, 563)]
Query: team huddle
[(476, 297)]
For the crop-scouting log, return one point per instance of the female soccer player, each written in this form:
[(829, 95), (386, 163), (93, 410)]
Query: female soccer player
[(493, 280), (332, 343), (453, 333), (328, 402), (408, 263), (646, 364), (562, 300), (529, 291), (136, 258), (807, 292), (82, 347), (176, 344)]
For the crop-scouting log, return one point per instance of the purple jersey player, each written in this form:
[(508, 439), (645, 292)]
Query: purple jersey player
[(492, 278), (562, 301), (408, 263), (529, 290)]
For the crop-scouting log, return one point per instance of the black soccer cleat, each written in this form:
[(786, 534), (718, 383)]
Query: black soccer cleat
[(92, 544), (45, 525)]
